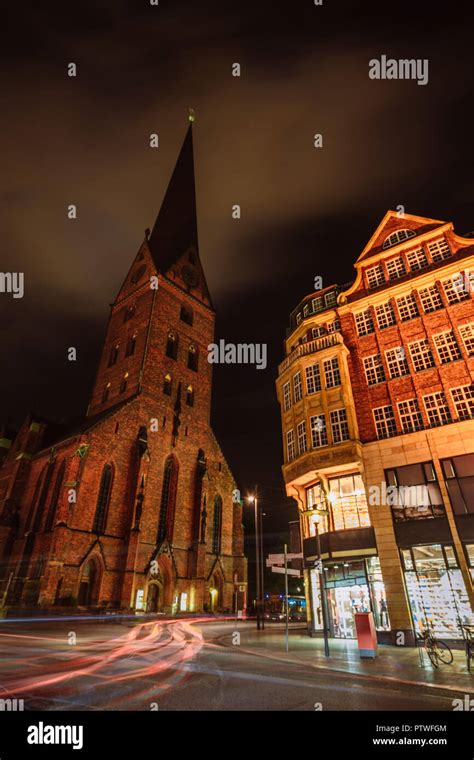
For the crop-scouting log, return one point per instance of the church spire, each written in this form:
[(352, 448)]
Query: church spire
[(175, 228)]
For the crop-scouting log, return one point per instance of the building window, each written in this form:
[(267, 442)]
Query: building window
[(385, 425), (467, 334), (463, 399), (339, 426), (113, 356), (334, 326), (131, 343), (168, 500), (410, 415), (397, 362), (317, 304), (313, 379), (439, 250), (348, 503), (437, 409), (297, 387), (436, 589), (430, 299), (193, 358), (385, 315), (286, 396), (305, 310), (301, 433), (364, 322), (407, 307), (172, 345), (103, 499), (128, 313), (414, 492), (374, 371), (330, 298), (417, 259), (318, 332), (167, 383), (397, 237), (186, 315), (298, 318), (456, 289), (124, 383), (319, 436), (105, 393), (332, 373), (375, 276), (447, 347), (421, 355), (55, 497), (190, 395), (290, 445), (396, 268), (217, 526), (459, 478)]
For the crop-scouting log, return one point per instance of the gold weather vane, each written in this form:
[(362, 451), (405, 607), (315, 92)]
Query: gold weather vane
[(192, 115)]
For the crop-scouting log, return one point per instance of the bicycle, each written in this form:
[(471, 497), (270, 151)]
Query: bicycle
[(468, 634), (438, 651)]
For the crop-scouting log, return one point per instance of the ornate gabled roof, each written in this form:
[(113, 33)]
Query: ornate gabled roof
[(392, 222)]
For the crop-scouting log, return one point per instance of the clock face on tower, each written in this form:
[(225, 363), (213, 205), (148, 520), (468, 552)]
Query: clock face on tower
[(138, 273), (190, 275)]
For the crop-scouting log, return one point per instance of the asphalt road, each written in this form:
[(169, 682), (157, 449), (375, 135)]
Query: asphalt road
[(177, 665)]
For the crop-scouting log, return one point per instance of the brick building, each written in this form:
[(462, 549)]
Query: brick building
[(135, 507), (377, 407)]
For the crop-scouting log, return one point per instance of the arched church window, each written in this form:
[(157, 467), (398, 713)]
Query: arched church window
[(103, 499), (217, 525), (168, 500), (193, 357), (190, 395), (172, 345)]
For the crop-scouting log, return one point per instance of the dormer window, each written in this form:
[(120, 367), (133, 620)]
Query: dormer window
[(330, 298), (114, 352), (375, 276), (192, 357), (398, 237), (172, 346)]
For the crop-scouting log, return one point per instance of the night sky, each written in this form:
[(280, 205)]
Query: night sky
[(305, 212)]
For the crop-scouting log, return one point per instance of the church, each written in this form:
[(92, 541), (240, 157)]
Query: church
[(134, 507)]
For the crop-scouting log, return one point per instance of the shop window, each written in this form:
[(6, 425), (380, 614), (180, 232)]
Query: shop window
[(413, 492), (459, 478), (436, 590), (348, 503)]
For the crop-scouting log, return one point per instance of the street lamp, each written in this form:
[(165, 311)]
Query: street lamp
[(253, 499), (317, 515)]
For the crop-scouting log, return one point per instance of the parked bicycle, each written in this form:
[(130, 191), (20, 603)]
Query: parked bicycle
[(468, 634), (437, 650)]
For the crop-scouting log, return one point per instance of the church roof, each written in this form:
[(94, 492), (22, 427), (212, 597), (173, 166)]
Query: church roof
[(175, 228)]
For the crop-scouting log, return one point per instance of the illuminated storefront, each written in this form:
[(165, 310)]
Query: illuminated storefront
[(436, 590)]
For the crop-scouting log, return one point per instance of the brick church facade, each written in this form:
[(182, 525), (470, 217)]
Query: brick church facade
[(135, 507)]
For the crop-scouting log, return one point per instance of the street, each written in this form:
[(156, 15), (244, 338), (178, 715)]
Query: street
[(179, 664)]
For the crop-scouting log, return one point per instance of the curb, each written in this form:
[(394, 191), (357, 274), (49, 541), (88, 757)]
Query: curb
[(352, 674)]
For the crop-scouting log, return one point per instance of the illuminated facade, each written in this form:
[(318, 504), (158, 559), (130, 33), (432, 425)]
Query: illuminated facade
[(134, 507), (377, 406)]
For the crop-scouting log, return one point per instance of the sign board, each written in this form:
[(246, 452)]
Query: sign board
[(279, 559), (289, 571)]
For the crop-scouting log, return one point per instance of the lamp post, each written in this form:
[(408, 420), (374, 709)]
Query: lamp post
[(253, 499), (317, 514)]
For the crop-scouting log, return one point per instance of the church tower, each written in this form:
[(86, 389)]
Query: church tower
[(135, 507)]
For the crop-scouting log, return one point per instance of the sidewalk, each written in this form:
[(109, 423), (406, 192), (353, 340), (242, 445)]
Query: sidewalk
[(392, 663)]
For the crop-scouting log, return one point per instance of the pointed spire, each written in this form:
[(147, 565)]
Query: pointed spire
[(175, 229)]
